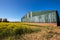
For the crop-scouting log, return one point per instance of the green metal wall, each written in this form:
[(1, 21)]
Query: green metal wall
[(41, 16)]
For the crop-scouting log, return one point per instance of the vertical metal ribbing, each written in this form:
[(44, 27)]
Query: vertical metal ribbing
[(31, 15), (27, 15), (52, 17)]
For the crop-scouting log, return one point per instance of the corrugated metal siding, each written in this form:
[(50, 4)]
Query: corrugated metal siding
[(44, 17)]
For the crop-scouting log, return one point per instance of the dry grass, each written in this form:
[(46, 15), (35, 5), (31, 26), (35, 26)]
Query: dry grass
[(44, 34)]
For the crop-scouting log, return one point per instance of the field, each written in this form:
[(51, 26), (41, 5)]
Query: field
[(23, 31)]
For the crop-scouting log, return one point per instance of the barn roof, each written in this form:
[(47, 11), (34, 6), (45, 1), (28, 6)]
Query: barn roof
[(36, 13)]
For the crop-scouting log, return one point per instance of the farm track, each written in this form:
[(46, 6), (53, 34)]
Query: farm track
[(42, 24)]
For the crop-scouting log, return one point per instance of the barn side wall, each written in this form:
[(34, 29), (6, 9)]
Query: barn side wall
[(52, 18)]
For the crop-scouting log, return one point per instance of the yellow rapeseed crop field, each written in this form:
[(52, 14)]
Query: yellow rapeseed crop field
[(14, 29)]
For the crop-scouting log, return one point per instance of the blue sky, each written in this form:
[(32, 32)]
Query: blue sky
[(13, 10)]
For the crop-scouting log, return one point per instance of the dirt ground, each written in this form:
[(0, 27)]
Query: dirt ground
[(52, 32), (43, 24)]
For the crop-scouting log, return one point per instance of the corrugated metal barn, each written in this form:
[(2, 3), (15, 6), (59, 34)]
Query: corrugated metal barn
[(50, 16)]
